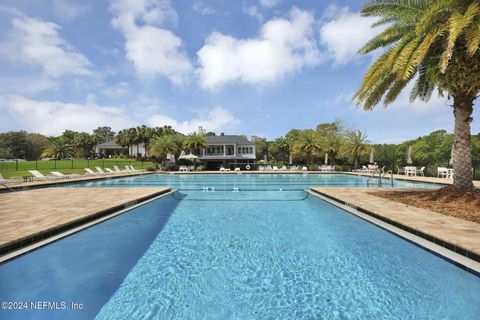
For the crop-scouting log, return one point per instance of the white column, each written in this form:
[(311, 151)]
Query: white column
[(224, 147)]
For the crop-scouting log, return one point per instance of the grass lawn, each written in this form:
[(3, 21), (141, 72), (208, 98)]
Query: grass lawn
[(8, 169)]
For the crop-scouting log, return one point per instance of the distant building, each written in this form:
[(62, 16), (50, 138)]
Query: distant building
[(229, 151), (110, 148)]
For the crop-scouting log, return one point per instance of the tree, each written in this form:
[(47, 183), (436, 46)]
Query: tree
[(280, 149), (356, 145), (103, 134), (58, 148), (16, 143), (161, 146), (261, 147), (36, 144), (144, 135), (84, 143), (436, 43), (308, 144), (194, 142)]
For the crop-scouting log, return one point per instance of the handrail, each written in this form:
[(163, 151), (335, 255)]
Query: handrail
[(380, 177)]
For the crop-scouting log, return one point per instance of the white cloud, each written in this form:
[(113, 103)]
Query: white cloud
[(269, 3), (152, 50), (53, 117), (37, 42), (345, 33), (68, 11), (202, 8), (216, 119), (253, 11), (283, 47)]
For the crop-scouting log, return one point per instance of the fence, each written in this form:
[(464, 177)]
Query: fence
[(69, 164)]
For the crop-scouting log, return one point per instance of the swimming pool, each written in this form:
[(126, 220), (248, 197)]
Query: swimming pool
[(285, 255), (248, 182)]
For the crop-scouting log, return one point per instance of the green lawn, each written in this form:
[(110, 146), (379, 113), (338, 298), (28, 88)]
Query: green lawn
[(12, 169)]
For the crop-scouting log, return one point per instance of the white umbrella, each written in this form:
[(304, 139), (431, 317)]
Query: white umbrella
[(452, 152), (371, 157), (326, 158), (182, 155), (409, 155), (189, 157)]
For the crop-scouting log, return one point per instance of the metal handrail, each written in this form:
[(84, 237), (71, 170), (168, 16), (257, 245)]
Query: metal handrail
[(380, 177)]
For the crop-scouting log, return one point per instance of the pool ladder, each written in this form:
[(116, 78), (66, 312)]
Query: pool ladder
[(380, 178)]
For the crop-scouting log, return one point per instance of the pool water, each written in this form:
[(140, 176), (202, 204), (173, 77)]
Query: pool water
[(243, 254), (252, 182)]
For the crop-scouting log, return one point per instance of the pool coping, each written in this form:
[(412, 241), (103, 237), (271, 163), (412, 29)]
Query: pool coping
[(42, 238), (465, 259)]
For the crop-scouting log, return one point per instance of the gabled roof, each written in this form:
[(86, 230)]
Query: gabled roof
[(240, 140), (110, 144)]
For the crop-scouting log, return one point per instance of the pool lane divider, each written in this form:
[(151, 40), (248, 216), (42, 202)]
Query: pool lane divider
[(46, 237), (467, 260)]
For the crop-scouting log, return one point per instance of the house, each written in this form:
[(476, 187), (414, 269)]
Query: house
[(229, 151), (110, 148)]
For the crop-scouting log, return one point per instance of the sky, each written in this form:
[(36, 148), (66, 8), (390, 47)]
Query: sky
[(252, 67)]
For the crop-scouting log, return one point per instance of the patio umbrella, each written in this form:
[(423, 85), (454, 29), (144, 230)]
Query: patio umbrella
[(182, 155), (189, 157), (409, 155), (452, 152), (326, 158), (371, 156)]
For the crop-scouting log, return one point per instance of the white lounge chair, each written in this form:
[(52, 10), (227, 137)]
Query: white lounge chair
[(400, 170), (421, 172), (442, 172), (183, 168), (261, 168), (304, 168), (237, 169), (39, 176), (91, 172), (117, 169), (127, 169), (275, 168), (110, 171), (222, 169), (100, 171), (283, 168), (9, 180), (64, 176)]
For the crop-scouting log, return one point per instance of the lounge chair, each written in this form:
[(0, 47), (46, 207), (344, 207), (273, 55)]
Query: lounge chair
[(127, 169), (39, 176), (64, 176), (10, 180), (183, 168), (100, 171), (237, 169), (283, 168), (91, 172), (304, 168), (400, 171), (222, 169), (275, 168), (421, 172), (261, 168), (109, 171), (442, 172)]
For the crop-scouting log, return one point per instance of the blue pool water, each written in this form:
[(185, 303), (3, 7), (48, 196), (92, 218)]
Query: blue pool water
[(253, 182), (238, 255)]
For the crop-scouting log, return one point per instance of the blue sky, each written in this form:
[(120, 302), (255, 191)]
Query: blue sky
[(254, 67)]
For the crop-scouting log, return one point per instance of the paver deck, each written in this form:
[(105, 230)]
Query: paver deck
[(31, 213), (459, 233)]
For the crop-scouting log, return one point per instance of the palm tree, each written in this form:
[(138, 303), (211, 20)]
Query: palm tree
[(356, 144), (133, 139), (144, 134), (58, 148), (195, 142), (161, 146), (84, 142), (308, 144), (122, 139), (436, 44)]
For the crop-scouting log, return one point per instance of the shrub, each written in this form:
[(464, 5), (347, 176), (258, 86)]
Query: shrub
[(313, 167)]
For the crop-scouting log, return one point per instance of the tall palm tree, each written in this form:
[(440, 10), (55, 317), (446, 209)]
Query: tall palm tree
[(144, 135), (133, 139), (308, 144), (194, 142), (122, 139), (356, 144), (161, 146), (436, 44), (58, 148)]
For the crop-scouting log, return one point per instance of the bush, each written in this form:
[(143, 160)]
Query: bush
[(313, 167), (201, 168), (151, 168)]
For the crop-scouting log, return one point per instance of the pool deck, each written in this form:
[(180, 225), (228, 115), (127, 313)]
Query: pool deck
[(455, 234), (30, 216), (53, 182)]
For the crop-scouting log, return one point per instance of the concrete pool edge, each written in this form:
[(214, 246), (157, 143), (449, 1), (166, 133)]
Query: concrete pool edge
[(23, 246), (442, 249)]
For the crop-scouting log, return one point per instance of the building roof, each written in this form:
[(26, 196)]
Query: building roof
[(239, 140), (109, 144)]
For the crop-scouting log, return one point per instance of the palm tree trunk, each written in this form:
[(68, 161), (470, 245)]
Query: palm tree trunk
[(356, 163), (462, 158)]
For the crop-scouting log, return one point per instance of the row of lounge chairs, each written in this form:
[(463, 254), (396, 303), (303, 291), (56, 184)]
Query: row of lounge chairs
[(54, 175)]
